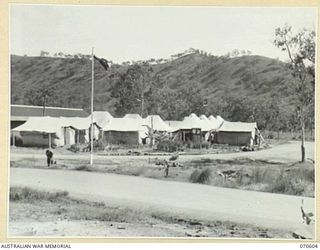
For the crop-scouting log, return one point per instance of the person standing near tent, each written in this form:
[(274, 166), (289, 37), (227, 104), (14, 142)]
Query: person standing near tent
[(49, 155)]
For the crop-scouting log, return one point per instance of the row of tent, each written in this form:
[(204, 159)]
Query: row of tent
[(131, 129)]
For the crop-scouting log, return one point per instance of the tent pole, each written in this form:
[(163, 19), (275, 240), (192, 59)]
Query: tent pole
[(92, 91)]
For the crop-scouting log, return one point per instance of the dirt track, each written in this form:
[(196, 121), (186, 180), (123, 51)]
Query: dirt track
[(180, 199), (289, 152)]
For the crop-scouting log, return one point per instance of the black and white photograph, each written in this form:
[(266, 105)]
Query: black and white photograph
[(162, 122)]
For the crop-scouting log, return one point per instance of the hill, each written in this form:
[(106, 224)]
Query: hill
[(213, 79)]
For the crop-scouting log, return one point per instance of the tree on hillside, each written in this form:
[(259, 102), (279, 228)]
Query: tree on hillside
[(300, 48), (131, 89), (41, 96)]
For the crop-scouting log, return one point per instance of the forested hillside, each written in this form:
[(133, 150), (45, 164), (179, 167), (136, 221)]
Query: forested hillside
[(244, 88)]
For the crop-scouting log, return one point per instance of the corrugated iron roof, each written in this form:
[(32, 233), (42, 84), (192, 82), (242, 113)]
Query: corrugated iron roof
[(25, 111)]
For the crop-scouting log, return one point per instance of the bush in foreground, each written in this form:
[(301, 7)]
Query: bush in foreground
[(169, 146), (202, 177)]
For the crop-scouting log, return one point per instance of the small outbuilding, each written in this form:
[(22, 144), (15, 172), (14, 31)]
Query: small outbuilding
[(124, 131), (238, 133)]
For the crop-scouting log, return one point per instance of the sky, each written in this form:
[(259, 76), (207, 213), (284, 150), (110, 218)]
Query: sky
[(126, 33)]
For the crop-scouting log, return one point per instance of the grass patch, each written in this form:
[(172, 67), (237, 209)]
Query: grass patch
[(32, 195), (67, 209), (83, 168), (297, 180)]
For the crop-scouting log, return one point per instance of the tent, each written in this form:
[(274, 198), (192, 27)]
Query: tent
[(155, 122), (174, 125), (78, 129), (203, 117), (55, 131), (42, 131), (133, 116), (237, 133), (189, 129), (101, 118), (127, 131), (215, 123)]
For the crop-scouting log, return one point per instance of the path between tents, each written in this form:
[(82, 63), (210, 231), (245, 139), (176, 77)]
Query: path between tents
[(186, 200), (288, 152)]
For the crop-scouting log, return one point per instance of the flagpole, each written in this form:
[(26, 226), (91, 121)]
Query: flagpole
[(92, 91)]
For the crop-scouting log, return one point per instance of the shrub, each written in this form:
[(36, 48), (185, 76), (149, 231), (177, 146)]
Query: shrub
[(294, 182), (83, 168), (169, 146), (74, 148), (196, 145), (99, 144), (202, 177)]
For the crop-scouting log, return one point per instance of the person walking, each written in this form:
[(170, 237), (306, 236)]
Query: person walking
[(49, 155)]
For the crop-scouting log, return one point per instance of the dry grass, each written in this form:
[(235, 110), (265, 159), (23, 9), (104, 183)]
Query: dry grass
[(295, 179), (257, 175)]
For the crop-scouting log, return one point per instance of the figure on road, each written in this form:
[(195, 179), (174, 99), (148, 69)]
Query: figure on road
[(49, 155)]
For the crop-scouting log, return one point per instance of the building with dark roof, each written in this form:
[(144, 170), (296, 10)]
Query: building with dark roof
[(20, 113)]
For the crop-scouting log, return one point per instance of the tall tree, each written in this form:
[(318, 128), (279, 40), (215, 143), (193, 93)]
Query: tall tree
[(41, 96), (131, 88), (300, 48)]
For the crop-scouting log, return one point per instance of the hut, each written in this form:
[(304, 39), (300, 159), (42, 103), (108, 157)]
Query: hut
[(189, 130), (77, 130), (238, 133), (125, 131)]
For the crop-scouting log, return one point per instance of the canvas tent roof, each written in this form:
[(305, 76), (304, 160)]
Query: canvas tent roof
[(158, 123), (133, 116), (42, 124), (101, 118), (215, 123), (238, 126), (79, 123), (189, 123), (203, 117), (173, 124), (194, 116), (124, 125), (220, 119), (47, 124)]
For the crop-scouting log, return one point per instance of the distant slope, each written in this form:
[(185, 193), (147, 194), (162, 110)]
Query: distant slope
[(254, 76)]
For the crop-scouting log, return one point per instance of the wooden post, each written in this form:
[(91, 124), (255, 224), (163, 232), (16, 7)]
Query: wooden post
[(78, 136), (13, 139), (49, 136), (200, 139)]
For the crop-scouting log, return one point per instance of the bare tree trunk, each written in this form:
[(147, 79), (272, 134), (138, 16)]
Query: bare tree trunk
[(303, 150), (44, 106), (142, 106)]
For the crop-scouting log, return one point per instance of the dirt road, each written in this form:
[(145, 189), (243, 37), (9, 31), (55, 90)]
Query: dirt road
[(180, 199), (288, 152)]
